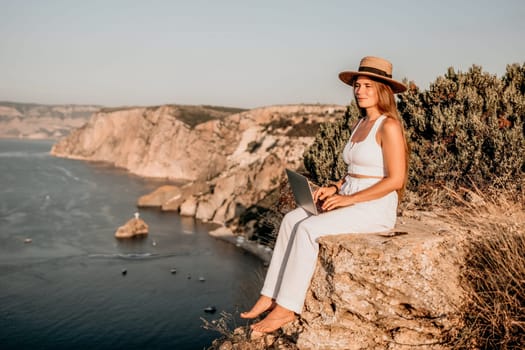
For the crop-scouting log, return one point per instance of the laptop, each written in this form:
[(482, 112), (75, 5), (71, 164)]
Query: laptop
[(303, 192)]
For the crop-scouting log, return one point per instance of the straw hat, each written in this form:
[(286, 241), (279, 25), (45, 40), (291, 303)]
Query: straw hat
[(374, 67)]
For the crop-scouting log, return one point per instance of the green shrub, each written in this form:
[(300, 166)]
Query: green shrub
[(323, 159), (467, 128)]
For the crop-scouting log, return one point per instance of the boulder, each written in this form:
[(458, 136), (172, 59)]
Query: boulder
[(206, 209), (171, 197), (381, 291), (173, 203), (224, 213), (132, 228), (160, 196), (189, 207), (195, 188)]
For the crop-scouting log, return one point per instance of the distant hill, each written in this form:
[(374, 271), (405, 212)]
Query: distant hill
[(38, 121)]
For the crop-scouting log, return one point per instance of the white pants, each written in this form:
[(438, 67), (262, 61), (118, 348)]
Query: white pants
[(295, 254)]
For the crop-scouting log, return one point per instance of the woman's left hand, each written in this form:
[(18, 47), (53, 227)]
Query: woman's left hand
[(324, 192), (337, 201)]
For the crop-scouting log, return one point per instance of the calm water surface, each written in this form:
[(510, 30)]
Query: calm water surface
[(66, 290)]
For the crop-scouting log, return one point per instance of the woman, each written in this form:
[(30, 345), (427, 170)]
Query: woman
[(364, 201)]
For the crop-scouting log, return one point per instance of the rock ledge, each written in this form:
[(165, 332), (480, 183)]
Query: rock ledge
[(397, 290)]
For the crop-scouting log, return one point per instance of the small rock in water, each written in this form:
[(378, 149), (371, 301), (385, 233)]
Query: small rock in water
[(210, 309), (173, 271), (28, 240), (202, 279), (132, 228), (124, 272), (189, 277)]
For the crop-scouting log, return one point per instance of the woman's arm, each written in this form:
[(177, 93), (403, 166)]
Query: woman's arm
[(393, 147)]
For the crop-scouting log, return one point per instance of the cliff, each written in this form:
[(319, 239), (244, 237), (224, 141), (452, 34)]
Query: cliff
[(377, 291), (229, 160), (36, 121)]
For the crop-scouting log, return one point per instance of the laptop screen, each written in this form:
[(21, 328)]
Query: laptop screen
[(302, 191)]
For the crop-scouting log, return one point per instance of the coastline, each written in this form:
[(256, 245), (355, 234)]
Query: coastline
[(224, 233)]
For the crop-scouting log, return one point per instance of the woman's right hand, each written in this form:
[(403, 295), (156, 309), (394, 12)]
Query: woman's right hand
[(324, 192)]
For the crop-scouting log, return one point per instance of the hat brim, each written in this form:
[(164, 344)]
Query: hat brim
[(349, 76)]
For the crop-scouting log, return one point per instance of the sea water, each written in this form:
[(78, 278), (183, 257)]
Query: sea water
[(67, 283)]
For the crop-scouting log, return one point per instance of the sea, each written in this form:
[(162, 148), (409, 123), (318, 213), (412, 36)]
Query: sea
[(67, 283)]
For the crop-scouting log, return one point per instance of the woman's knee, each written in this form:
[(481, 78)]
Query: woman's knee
[(308, 231), (293, 217)]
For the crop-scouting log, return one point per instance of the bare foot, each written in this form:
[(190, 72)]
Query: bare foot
[(275, 320), (263, 304)]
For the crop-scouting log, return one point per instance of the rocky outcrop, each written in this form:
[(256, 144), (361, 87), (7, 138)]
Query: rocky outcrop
[(230, 161), (171, 197), (268, 140), (151, 142), (378, 291), (135, 227), (160, 196), (35, 121)]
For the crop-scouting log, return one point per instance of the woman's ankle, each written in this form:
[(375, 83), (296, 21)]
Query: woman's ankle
[(263, 304)]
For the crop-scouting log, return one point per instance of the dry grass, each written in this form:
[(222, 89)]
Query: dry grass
[(234, 337), (493, 272), (225, 325)]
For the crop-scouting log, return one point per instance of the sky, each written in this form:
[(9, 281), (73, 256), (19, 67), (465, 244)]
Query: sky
[(240, 53)]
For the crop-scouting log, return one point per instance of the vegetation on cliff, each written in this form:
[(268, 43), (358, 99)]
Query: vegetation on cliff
[(192, 115), (493, 270)]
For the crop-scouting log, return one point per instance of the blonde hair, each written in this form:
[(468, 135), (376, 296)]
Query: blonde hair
[(387, 106)]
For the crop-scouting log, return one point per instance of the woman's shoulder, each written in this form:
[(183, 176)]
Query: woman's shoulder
[(390, 122), (391, 126)]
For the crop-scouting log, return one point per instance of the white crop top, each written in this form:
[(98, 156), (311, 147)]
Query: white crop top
[(365, 157)]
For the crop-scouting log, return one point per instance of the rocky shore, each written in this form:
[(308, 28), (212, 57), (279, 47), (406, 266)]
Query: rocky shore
[(227, 161)]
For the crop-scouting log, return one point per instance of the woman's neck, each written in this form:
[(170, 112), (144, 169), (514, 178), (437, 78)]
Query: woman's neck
[(372, 114)]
